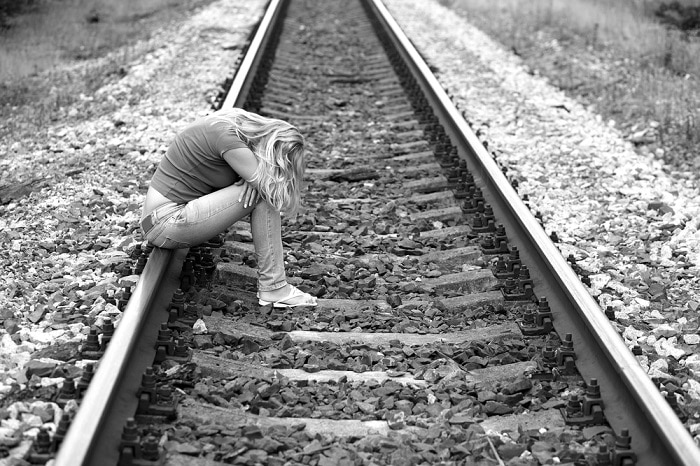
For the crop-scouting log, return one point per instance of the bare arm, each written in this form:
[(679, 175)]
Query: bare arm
[(243, 162)]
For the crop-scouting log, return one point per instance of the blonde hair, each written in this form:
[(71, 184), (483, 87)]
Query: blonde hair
[(279, 148)]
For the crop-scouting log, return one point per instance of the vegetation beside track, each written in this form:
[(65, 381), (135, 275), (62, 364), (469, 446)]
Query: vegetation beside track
[(631, 61), (42, 36), (634, 62)]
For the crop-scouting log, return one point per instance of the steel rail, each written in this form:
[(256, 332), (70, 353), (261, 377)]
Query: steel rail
[(78, 447), (652, 416), (243, 78), (83, 444)]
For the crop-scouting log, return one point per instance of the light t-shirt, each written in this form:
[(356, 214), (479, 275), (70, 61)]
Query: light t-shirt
[(194, 164)]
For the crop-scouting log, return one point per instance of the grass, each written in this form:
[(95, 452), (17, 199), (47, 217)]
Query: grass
[(46, 34), (648, 77), (615, 54), (41, 41), (627, 25)]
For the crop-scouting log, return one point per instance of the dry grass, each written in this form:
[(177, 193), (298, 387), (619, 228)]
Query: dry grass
[(51, 33), (58, 52), (626, 25), (652, 73)]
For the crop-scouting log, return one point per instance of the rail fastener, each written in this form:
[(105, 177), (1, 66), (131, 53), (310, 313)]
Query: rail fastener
[(67, 393), (484, 222), (497, 243), (623, 455), (508, 267), (168, 348), (519, 289), (134, 450), (126, 294), (177, 306), (538, 322), (155, 400), (587, 410)]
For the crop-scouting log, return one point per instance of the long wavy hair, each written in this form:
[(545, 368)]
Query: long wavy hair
[(279, 148)]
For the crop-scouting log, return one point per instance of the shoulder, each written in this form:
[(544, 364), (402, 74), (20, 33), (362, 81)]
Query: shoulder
[(222, 133), (228, 140)]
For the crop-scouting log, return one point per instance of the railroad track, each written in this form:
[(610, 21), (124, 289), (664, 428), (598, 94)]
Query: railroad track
[(445, 314)]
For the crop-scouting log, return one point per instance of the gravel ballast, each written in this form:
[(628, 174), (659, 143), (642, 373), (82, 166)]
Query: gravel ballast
[(65, 244), (632, 226)]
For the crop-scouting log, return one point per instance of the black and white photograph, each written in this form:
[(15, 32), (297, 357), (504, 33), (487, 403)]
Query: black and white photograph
[(349, 232)]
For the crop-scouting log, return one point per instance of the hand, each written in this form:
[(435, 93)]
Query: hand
[(249, 195)]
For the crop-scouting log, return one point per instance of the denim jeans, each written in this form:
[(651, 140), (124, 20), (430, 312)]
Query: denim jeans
[(185, 225)]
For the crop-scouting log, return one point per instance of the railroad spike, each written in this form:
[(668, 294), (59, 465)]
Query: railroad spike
[(149, 449), (473, 205), (512, 264), (130, 446), (527, 324), (461, 190), (525, 284), (541, 324), (136, 252), (500, 265), (484, 222), (573, 407), (165, 345), (182, 351), (602, 456), (61, 430), (85, 378), (566, 356), (497, 244), (168, 348), (140, 264), (177, 306), (154, 400), (610, 312), (623, 455), (549, 352), (126, 295), (512, 291), (42, 449), (592, 402), (107, 333), (585, 411), (67, 393), (91, 348)]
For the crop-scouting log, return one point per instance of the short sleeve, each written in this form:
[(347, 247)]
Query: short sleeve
[(226, 140)]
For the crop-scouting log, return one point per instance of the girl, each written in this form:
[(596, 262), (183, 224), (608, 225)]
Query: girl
[(218, 170)]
